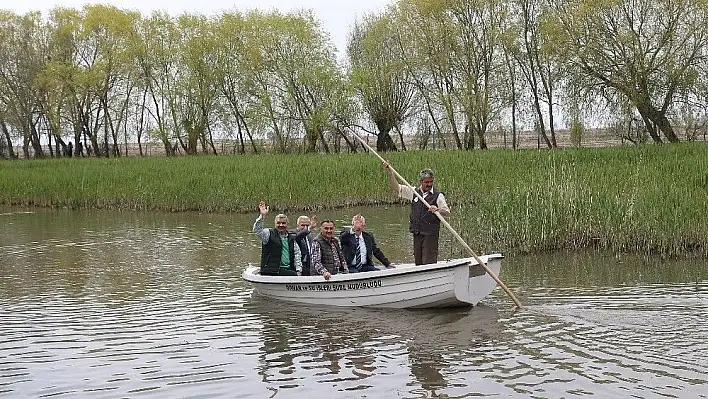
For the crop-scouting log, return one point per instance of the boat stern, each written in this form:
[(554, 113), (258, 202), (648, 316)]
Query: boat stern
[(473, 283)]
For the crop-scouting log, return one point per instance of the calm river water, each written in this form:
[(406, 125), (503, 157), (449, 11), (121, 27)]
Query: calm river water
[(111, 305)]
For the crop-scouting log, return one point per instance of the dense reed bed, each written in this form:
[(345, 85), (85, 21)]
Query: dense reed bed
[(651, 199)]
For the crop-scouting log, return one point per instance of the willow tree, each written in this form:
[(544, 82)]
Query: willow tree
[(22, 59), (477, 64), (111, 32), (644, 51), (457, 51), (231, 77), (379, 76), (64, 77), (91, 65), (293, 74), (537, 63), (198, 84), (427, 42), (158, 57)]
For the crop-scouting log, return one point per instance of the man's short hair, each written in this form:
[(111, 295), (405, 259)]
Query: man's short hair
[(426, 173), (358, 217), (302, 218), (281, 216)]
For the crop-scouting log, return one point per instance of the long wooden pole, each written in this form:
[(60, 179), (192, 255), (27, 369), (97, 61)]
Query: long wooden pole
[(447, 225)]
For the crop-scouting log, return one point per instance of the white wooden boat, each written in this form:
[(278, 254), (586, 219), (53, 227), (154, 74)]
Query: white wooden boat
[(456, 282)]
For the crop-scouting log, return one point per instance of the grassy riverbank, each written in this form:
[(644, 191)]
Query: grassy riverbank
[(647, 199)]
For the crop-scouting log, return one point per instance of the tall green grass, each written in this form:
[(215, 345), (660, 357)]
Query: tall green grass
[(651, 199)]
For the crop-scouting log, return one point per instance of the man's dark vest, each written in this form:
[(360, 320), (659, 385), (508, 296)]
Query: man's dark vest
[(423, 221), (327, 256), (272, 251), (305, 253)]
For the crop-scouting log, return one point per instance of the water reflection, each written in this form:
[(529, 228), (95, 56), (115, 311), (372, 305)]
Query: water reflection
[(356, 344), (106, 304)]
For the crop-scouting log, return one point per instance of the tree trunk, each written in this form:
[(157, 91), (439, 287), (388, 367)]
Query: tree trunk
[(650, 116), (453, 124), (322, 139), (210, 141), (541, 123), (554, 143), (241, 141), (167, 145), (664, 125), (6, 132), (482, 139), (384, 142), (248, 133), (311, 136), (34, 139), (25, 145), (400, 135)]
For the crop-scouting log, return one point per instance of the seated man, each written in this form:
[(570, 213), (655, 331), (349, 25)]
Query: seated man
[(303, 238), (359, 246), (280, 255), (327, 258)]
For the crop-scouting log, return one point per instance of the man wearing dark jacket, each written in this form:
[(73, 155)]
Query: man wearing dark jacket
[(359, 247), (280, 255), (303, 238)]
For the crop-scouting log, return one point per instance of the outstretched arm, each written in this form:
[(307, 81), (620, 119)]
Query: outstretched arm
[(301, 234), (378, 253), (264, 234), (391, 178)]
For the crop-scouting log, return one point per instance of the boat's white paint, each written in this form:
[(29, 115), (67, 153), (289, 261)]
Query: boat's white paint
[(442, 284)]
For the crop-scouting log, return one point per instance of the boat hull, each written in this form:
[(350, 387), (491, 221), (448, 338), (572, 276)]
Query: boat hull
[(457, 282)]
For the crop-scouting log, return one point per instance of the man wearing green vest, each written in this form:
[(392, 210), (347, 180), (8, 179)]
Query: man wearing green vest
[(280, 255)]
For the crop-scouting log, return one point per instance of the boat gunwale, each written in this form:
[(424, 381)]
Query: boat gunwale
[(347, 277)]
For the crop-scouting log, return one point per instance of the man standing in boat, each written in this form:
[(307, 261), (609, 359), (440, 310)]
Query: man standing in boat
[(280, 255), (327, 256), (424, 224), (359, 247)]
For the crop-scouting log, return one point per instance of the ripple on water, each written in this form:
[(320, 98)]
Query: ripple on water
[(114, 306), (650, 340)]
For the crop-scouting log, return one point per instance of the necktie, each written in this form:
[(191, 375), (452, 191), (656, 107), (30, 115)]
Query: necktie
[(357, 254)]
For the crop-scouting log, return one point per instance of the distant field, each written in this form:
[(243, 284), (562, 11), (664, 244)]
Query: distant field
[(591, 139)]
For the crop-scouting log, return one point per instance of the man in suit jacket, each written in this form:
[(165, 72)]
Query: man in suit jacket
[(359, 247), (303, 238)]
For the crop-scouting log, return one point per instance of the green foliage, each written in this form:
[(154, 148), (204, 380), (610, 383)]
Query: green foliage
[(379, 75), (101, 71), (452, 69), (648, 198), (577, 130), (644, 52)]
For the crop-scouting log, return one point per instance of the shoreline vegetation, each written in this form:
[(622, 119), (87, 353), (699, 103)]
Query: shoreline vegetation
[(650, 199)]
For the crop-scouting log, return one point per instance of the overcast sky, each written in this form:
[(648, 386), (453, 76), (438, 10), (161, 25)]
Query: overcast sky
[(336, 15)]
